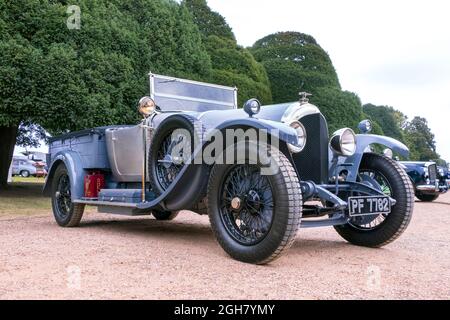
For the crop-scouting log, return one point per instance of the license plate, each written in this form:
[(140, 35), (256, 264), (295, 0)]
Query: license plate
[(365, 206)]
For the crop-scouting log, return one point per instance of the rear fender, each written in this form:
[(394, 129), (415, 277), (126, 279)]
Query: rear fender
[(74, 166)]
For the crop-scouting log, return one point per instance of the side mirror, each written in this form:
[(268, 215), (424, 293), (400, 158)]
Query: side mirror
[(365, 126)]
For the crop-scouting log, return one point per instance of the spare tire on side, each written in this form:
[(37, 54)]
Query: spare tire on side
[(172, 146)]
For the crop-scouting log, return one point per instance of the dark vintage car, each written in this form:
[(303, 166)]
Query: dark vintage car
[(428, 179), (260, 173), (444, 175)]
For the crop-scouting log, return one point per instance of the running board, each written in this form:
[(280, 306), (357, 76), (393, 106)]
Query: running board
[(107, 203), (119, 208)]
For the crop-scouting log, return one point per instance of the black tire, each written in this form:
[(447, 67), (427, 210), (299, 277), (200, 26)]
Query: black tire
[(165, 215), (396, 222), (165, 130), (286, 213), (25, 173), (427, 197), (66, 213)]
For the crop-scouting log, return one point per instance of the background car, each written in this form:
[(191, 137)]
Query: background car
[(444, 176), (427, 181), (24, 167)]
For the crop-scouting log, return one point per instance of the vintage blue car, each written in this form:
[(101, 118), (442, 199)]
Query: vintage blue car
[(429, 181), (260, 173)]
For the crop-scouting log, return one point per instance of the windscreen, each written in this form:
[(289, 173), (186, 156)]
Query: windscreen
[(173, 94)]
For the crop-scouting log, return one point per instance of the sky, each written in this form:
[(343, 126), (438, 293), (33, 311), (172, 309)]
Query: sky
[(394, 52)]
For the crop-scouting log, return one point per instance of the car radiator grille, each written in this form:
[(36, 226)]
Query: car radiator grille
[(432, 172), (312, 162)]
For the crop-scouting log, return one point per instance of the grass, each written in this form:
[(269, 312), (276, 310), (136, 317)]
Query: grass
[(24, 197), (18, 179)]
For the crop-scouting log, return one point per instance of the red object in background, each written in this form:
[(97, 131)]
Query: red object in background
[(93, 183)]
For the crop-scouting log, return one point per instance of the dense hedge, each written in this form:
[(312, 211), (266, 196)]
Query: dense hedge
[(295, 62), (232, 64), (72, 79)]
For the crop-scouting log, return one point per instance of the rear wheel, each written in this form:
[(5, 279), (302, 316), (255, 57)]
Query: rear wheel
[(255, 217), (376, 231), (66, 213), (427, 197)]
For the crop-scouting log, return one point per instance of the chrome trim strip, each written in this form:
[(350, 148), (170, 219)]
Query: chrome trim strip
[(192, 82), (297, 111), (427, 188)]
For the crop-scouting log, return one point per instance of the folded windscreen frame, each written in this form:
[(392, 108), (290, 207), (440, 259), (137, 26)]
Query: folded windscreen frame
[(174, 94)]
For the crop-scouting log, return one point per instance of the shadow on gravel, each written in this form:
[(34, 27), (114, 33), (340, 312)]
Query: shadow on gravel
[(309, 245), (444, 203), (153, 228), (200, 232), (434, 202)]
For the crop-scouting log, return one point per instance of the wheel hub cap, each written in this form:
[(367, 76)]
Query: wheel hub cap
[(236, 203)]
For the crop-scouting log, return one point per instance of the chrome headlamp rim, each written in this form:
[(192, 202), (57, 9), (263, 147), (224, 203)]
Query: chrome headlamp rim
[(343, 142), (146, 106), (365, 126), (252, 107), (302, 137)]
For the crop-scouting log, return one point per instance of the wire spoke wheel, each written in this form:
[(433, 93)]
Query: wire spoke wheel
[(387, 176), (247, 204), (63, 197), (380, 182), (170, 159), (254, 216)]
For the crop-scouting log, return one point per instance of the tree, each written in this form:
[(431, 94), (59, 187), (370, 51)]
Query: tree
[(420, 140), (63, 79), (294, 61), (415, 133), (209, 22), (391, 121), (232, 65), (340, 108)]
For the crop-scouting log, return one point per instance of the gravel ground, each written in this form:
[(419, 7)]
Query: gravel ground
[(112, 257)]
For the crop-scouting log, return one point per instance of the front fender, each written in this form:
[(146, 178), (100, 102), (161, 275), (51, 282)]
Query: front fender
[(276, 129), (74, 165), (362, 142)]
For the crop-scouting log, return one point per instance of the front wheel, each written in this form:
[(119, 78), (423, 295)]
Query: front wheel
[(255, 217), (427, 197), (386, 175)]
